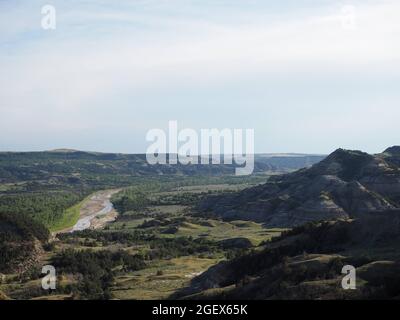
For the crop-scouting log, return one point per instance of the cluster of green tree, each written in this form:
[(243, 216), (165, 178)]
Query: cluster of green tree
[(184, 198), (107, 237), (158, 222), (17, 235), (17, 227), (139, 197), (96, 270), (47, 208), (318, 236), (167, 248), (13, 253), (131, 201), (160, 248), (171, 223)]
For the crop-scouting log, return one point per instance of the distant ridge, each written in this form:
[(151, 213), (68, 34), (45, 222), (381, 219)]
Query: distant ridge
[(84, 168), (63, 150), (261, 155)]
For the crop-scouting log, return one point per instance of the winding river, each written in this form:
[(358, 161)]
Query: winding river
[(97, 208)]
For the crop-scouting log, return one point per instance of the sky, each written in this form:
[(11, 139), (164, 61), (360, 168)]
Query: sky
[(307, 76)]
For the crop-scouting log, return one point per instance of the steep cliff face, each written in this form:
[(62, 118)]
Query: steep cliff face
[(345, 184)]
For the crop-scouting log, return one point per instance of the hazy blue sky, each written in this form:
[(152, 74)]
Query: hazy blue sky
[(308, 78)]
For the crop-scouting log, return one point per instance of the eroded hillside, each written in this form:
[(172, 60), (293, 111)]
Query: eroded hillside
[(345, 184)]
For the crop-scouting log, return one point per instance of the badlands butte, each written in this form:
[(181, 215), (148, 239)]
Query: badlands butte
[(343, 185)]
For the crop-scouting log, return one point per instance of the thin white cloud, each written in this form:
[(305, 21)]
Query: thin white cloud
[(95, 55)]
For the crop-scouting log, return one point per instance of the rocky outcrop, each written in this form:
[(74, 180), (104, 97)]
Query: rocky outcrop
[(345, 184)]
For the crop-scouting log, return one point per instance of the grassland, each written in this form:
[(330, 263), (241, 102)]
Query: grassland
[(206, 228), (161, 279), (220, 230), (69, 218)]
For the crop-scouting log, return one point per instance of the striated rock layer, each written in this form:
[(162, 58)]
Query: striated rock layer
[(345, 184)]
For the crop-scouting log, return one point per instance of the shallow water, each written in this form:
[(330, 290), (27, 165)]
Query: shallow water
[(84, 223)]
